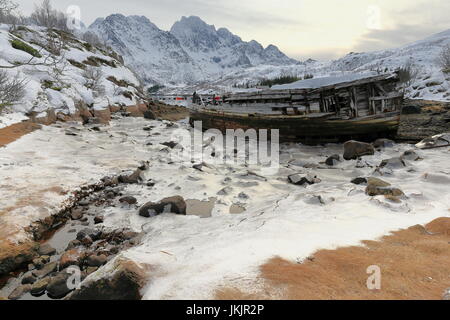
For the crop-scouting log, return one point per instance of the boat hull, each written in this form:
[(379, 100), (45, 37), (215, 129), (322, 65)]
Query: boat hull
[(303, 128)]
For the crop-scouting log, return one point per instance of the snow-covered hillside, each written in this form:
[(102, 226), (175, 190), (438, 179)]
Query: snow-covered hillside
[(61, 72), (191, 52)]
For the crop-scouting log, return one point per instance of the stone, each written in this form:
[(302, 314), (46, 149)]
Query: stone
[(149, 115), (19, 292), (333, 160), (28, 278), (302, 179), (57, 287), (377, 182), (72, 257), (125, 282), (225, 191), (76, 214), (355, 149), (94, 234), (133, 178), (393, 163), (170, 144), (243, 196), (359, 181), (410, 155), (99, 219), (175, 205), (87, 241), (73, 244), (39, 287), (46, 270), (373, 190), (128, 199), (383, 143), (96, 260), (46, 250)]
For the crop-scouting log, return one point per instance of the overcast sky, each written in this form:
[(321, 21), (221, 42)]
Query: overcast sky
[(319, 29)]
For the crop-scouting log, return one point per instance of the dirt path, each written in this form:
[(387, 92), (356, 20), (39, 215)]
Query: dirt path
[(414, 265), (13, 132)]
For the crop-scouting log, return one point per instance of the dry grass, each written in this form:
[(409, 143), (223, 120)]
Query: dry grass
[(13, 132), (414, 265)]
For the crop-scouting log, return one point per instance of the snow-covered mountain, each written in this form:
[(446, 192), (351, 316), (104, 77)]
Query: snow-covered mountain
[(192, 51), (428, 80)]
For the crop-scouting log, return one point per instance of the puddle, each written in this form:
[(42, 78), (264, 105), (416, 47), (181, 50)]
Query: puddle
[(202, 209)]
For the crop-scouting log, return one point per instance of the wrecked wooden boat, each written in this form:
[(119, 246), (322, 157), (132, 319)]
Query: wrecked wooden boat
[(332, 109)]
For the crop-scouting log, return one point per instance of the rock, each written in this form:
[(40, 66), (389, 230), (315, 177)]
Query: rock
[(175, 205), (333, 160), (440, 140), (135, 177), (393, 163), (39, 287), (96, 260), (225, 191), (123, 283), (392, 198), (170, 144), (355, 149), (411, 110), (38, 263), (73, 244), (243, 196), (57, 287), (130, 200), (99, 219), (302, 179), (374, 190), (410, 155), (46, 270), (151, 183), (94, 234), (149, 115), (90, 270), (87, 241), (46, 250), (383, 143), (72, 257), (76, 214), (19, 292), (359, 180), (28, 278), (377, 182)]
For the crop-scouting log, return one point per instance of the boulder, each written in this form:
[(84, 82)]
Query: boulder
[(76, 214), (333, 160), (149, 115), (303, 179), (135, 177), (124, 282), (359, 180), (410, 155), (46, 270), (94, 234), (19, 292), (378, 187), (39, 287), (130, 200), (383, 143), (73, 257), (175, 205), (355, 149), (46, 250), (170, 144), (99, 219), (96, 260), (57, 287), (393, 163), (28, 278)]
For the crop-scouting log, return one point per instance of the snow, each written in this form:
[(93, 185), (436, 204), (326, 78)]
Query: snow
[(8, 119), (323, 82), (192, 256), (69, 88)]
